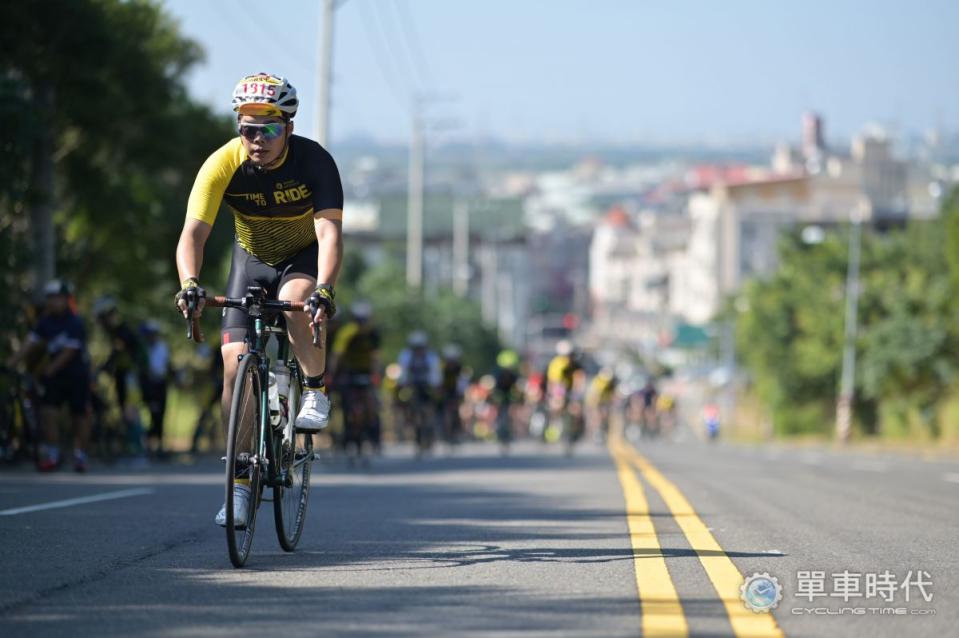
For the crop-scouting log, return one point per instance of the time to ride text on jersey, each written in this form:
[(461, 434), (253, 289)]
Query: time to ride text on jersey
[(289, 195)]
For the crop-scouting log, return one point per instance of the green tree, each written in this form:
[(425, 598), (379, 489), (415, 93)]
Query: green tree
[(909, 345), (791, 336), (108, 143), (445, 317)]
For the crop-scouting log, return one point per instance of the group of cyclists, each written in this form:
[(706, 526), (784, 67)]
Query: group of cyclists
[(429, 395)]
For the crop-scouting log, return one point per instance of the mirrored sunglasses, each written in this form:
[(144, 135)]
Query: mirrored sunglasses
[(270, 130)]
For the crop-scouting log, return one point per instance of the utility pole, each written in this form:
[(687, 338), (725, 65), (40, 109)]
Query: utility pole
[(324, 49), (414, 208), (415, 194), (461, 244), (847, 385)]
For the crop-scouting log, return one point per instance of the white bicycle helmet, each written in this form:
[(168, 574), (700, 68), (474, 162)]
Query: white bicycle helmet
[(417, 339), (265, 94)]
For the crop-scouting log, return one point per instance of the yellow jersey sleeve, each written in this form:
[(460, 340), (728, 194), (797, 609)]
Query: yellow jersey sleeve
[(212, 180)]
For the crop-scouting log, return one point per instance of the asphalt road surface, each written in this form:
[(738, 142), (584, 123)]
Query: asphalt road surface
[(655, 539)]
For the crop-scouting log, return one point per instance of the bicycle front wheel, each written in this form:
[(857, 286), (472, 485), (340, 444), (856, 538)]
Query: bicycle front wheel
[(295, 452), (243, 467)]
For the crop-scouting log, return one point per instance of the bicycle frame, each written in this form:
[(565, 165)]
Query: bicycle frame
[(261, 334), (258, 308)]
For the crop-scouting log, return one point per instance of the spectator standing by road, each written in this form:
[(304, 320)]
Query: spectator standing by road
[(154, 383), (63, 377)]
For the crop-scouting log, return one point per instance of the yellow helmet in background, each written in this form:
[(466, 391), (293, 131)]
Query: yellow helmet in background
[(507, 359)]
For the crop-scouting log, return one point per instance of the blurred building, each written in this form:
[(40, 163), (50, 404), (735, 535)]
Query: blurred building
[(736, 222), (496, 255), (652, 273)]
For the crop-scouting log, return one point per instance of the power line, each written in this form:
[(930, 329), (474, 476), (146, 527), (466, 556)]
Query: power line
[(382, 59), (250, 31), (411, 37), (290, 46), (394, 48)]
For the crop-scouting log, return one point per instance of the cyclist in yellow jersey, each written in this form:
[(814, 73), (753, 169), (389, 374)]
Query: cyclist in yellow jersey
[(562, 369), (599, 399), (564, 378), (356, 345), (354, 368), (287, 202)]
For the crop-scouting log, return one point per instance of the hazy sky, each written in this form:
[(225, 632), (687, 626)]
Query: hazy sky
[(570, 70)]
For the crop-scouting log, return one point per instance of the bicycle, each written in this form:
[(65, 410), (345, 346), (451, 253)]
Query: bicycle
[(357, 416), (504, 424), (19, 425), (109, 435), (262, 447), (574, 424), (422, 418)]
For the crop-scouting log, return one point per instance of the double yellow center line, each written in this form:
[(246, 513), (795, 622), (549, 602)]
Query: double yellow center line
[(662, 612)]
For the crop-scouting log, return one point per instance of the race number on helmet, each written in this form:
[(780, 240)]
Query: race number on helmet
[(265, 94)]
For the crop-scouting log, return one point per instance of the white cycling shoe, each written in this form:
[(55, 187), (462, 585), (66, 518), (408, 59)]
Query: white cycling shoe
[(315, 413), (241, 507)]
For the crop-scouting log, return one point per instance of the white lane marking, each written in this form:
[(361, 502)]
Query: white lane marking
[(952, 477), (70, 502)]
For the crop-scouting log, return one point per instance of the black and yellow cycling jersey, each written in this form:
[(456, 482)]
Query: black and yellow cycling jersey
[(355, 348), (273, 208), (561, 371), (601, 389)]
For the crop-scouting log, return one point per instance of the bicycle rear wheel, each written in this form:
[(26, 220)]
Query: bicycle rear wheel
[(295, 451), (242, 462)]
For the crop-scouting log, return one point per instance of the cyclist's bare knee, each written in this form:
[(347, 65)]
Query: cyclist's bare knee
[(231, 360)]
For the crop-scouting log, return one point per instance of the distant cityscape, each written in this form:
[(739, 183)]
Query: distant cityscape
[(635, 248)]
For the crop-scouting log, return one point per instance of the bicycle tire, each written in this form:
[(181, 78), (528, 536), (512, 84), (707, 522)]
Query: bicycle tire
[(289, 502), (243, 432)]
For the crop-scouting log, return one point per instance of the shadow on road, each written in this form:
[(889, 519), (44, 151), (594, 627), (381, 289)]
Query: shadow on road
[(367, 537)]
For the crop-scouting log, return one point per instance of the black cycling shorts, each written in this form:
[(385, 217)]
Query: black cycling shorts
[(71, 389), (246, 270)]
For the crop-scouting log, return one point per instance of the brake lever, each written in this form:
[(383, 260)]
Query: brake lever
[(193, 331), (190, 320)]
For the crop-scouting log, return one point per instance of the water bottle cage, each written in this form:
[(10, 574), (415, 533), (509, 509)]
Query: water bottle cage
[(284, 414)]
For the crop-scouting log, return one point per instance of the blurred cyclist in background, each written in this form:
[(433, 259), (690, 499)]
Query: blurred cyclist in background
[(452, 390), (420, 379), (154, 382), (63, 376), (354, 369), (126, 362), (599, 400), (643, 403), (565, 391), (505, 395), (561, 373), (666, 412)]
